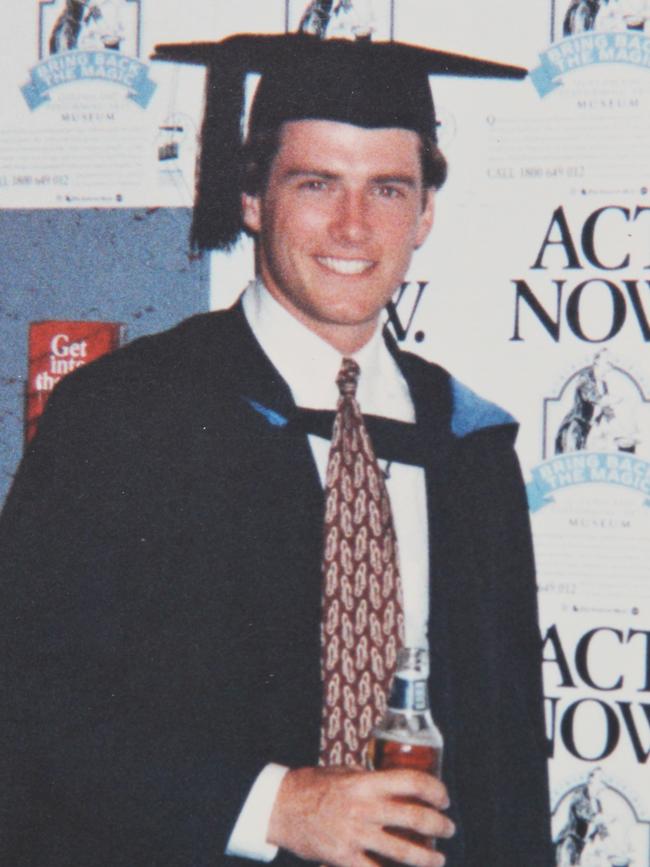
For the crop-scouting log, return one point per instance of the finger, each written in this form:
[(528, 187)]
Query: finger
[(416, 817), (366, 859), (352, 858), (404, 851), (413, 785)]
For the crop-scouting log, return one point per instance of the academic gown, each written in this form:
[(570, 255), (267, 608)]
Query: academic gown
[(160, 558)]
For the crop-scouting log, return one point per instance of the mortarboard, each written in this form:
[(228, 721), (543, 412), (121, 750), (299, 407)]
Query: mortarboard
[(369, 84)]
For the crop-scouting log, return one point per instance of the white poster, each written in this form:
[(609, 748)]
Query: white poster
[(87, 118), (544, 275)]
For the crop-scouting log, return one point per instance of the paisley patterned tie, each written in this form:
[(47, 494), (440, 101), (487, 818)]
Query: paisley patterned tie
[(362, 613)]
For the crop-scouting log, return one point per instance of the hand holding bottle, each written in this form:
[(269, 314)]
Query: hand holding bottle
[(407, 737), (356, 818), (340, 816)]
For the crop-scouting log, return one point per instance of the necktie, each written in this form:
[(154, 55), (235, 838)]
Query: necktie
[(392, 440), (362, 614)]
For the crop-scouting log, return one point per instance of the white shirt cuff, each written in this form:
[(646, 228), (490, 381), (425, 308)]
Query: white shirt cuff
[(248, 838)]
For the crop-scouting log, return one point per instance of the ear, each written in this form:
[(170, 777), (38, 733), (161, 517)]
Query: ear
[(425, 220), (251, 212)]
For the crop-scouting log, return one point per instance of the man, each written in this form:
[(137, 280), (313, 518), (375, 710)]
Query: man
[(162, 547), (585, 820), (592, 404), (87, 26), (580, 16), (68, 26)]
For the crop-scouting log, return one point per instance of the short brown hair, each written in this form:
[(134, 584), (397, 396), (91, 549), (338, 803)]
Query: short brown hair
[(259, 150)]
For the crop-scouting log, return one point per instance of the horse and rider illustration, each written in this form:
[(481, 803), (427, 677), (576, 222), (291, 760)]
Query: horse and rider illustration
[(348, 19), (600, 417), (88, 25), (606, 15)]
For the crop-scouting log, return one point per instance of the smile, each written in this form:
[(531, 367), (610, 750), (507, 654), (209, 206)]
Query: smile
[(345, 266)]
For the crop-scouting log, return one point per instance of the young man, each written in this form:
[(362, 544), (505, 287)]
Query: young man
[(162, 547)]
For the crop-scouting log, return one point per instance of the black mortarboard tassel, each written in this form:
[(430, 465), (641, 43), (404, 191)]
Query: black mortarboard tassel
[(370, 84)]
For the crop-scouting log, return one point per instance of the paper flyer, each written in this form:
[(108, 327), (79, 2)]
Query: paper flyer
[(87, 119), (56, 349)]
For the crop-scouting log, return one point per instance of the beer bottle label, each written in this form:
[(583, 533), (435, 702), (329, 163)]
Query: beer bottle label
[(408, 695)]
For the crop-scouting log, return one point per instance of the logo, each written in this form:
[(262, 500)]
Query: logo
[(596, 825), (601, 407), (596, 431), (591, 32), (82, 40)]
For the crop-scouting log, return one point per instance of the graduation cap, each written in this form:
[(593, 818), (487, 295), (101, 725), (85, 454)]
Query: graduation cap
[(369, 84)]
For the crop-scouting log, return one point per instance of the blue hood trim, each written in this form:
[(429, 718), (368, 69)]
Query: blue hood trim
[(274, 418), (471, 413)]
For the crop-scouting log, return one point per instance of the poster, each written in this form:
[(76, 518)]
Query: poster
[(86, 116), (57, 349), (556, 265)]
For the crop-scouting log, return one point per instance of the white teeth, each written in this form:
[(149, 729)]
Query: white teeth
[(345, 266)]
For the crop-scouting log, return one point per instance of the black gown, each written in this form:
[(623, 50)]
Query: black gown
[(160, 603)]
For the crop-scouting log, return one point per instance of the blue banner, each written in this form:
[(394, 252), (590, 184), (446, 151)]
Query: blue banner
[(584, 468), (73, 66), (588, 49)]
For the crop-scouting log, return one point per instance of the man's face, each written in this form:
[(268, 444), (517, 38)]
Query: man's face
[(337, 223)]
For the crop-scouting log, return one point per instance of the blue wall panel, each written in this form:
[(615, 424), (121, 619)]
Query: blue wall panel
[(130, 266)]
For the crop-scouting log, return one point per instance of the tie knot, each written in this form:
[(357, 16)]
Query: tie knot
[(348, 377)]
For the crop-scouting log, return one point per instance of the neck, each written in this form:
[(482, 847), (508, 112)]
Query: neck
[(346, 338)]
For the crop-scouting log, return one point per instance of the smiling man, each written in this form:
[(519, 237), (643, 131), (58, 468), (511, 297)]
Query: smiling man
[(342, 211), (189, 679)]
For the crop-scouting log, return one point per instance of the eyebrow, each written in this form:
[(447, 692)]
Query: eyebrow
[(405, 180), (289, 174)]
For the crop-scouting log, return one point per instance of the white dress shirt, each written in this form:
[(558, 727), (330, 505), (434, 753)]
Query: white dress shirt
[(309, 365)]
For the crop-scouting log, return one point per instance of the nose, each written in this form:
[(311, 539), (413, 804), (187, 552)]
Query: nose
[(350, 222)]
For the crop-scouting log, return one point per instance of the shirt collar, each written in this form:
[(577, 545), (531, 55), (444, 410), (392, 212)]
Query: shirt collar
[(309, 365)]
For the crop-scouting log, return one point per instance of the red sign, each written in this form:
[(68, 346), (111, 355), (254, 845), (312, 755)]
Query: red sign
[(56, 348)]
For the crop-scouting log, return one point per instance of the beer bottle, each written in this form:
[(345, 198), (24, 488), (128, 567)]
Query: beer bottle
[(407, 737)]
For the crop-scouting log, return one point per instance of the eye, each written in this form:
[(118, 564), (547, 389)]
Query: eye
[(314, 185), (389, 191)]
